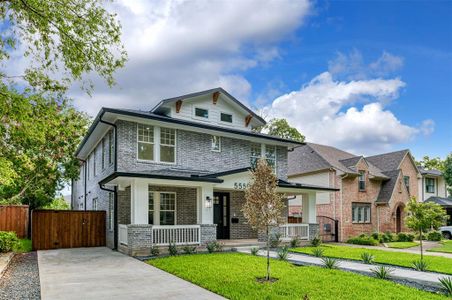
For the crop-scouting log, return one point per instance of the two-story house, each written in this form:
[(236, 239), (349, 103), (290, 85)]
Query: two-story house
[(373, 190), (177, 172)]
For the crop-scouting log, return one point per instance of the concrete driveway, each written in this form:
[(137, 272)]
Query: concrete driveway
[(100, 273)]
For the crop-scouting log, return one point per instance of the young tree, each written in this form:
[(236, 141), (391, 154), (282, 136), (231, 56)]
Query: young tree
[(447, 173), (423, 216), (263, 205), (280, 127)]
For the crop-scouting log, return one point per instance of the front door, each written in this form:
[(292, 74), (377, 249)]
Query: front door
[(398, 220), (221, 214)]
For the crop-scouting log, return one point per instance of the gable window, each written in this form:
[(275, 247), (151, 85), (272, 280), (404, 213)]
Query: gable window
[(216, 143), (362, 180), (95, 203), (111, 210), (361, 212), (110, 147), (167, 145), (406, 180), (103, 153), (256, 151), (145, 142), (226, 118), (201, 113), (430, 185), (151, 207)]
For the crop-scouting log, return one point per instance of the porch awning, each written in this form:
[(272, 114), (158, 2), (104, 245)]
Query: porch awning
[(444, 202)]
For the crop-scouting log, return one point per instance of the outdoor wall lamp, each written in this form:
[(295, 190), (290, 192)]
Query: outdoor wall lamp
[(208, 202)]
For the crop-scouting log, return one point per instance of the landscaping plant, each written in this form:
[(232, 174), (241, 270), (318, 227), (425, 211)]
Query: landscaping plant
[(330, 263), (316, 241), (363, 240), (420, 265), (172, 249), (263, 204), (446, 282), (317, 252), (155, 251), (254, 251), (295, 242), (8, 241), (434, 236), (367, 258), (275, 240), (382, 272), (283, 253), (189, 249), (405, 237)]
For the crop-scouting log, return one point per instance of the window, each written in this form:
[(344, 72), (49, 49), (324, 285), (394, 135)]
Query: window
[(103, 153), (94, 161), (361, 212), (145, 142), (167, 145), (406, 180), (430, 185), (362, 180), (201, 113), (270, 156), (151, 207), (88, 167), (226, 118), (167, 208), (110, 147), (111, 211), (256, 150), (95, 203), (216, 143)]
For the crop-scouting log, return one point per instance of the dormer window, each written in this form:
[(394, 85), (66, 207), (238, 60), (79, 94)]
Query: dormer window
[(226, 118), (201, 113), (362, 180)]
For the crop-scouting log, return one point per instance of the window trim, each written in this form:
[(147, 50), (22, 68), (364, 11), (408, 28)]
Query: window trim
[(263, 153), (427, 185), (226, 113), (363, 173), (198, 117), (103, 153), (405, 182), (156, 145), (110, 147), (94, 203), (94, 161), (159, 130), (362, 205), (149, 143), (175, 206), (211, 143), (156, 211)]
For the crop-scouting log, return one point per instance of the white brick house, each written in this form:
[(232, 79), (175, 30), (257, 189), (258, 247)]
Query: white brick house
[(177, 173)]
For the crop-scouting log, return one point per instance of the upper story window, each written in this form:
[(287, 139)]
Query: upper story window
[(267, 151), (145, 142), (226, 118), (216, 143), (167, 145), (270, 155), (103, 153), (88, 162), (94, 161), (362, 180), (361, 212), (406, 180), (95, 203), (430, 185), (256, 150), (110, 147), (201, 113)]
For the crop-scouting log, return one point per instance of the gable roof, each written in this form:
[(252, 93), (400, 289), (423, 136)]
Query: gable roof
[(206, 92), (388, 161), (445, 202), (432, 172), (387, 187)]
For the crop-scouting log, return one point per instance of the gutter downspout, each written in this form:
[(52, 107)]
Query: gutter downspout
[(115, 190), (341, 206), (84, 182)]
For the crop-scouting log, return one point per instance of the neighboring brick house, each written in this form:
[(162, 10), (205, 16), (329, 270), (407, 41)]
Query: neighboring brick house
[(177, 173), (373, 190)]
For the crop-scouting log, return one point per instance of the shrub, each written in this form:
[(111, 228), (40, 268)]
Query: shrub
[(172, 249), (316, 241), (367, 258), (446, 282), (317, 252), (377, 236), (8, 240), (155, 251), (214, 247), (283, 253), (382, 272), (366, 240), (295, 242), (275, 240), (418, 237), (189, 249), (254, 251), (388, 237), (420, 265), (434, 236), (330, 263), (405, 237)]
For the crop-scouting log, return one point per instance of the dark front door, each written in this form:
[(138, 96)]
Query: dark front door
[(221, 214), (398, 220)]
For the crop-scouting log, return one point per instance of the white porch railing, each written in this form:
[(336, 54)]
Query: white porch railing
[(122, 234), (163, 235), (295, 230)]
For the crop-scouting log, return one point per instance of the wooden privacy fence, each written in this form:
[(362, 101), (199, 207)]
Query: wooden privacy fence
[(53, 229), (14, 218)]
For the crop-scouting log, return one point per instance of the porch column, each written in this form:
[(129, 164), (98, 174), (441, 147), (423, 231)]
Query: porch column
[(205, 214), (139, 202), (309, 208)]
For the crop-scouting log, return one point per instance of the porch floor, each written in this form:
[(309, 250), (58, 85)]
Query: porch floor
[(241, 242)]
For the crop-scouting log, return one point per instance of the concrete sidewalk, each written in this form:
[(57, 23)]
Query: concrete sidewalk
[(100, 273), (428, 279)]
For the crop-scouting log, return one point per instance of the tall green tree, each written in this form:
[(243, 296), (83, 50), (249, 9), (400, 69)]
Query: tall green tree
[(431, 163), (445, 166), (281, 128), (38, 137), (447, 173)]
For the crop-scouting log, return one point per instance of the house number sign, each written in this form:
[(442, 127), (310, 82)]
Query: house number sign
[(241, 185)]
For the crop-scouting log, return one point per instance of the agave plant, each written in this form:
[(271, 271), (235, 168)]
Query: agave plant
[(283, 253), (420, 265), (446, 282), (367, 258), (330, 263), (382, 272), (317, 252), (254, 251)]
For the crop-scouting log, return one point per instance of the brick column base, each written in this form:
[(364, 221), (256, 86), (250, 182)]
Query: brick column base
[(208, 233)]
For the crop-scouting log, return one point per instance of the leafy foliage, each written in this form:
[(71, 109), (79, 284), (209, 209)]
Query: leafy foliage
[(155, 251), (446, 282), (189, 249), (434, 163), (275, 239), (214, 247), (8, 241), (294, 242), (330, 263), (172, 249), (445, 166), (317, 252), (280, 127), (57, 203), (283, 253), (434, 236), (405, 237), (382, 272), (254, 251), (420, 265), (316, 241), (447, 173), (367, 258), (363, 240)]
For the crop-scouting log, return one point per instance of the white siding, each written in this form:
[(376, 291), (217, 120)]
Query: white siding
[(321, 179), (440, 188)]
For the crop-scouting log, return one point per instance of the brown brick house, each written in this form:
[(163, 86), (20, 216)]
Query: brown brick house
[(373, 190)]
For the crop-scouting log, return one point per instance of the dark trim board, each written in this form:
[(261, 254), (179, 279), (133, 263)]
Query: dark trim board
[(168, 177)]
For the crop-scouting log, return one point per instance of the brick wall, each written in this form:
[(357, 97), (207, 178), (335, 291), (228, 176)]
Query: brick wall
[(240, 230), (124, 206)]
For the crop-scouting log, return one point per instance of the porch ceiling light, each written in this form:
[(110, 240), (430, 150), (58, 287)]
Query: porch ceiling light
[(208, 202)]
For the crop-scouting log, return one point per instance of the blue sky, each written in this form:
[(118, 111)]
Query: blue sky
[(364, 76)]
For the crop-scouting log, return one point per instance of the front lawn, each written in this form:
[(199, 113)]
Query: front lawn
[(23, 246), (446, 247), (402, 245), (233, 275), (435, 263)]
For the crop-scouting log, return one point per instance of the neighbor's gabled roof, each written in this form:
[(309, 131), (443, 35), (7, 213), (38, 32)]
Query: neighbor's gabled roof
[(432, 172)]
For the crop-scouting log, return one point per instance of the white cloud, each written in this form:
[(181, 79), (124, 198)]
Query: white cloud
[(177, 47), (328, 112)]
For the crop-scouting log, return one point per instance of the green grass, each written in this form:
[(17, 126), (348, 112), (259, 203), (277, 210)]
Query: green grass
[(233, 275), (23, 246), (436, 263), (402, 245), (446, 247)]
